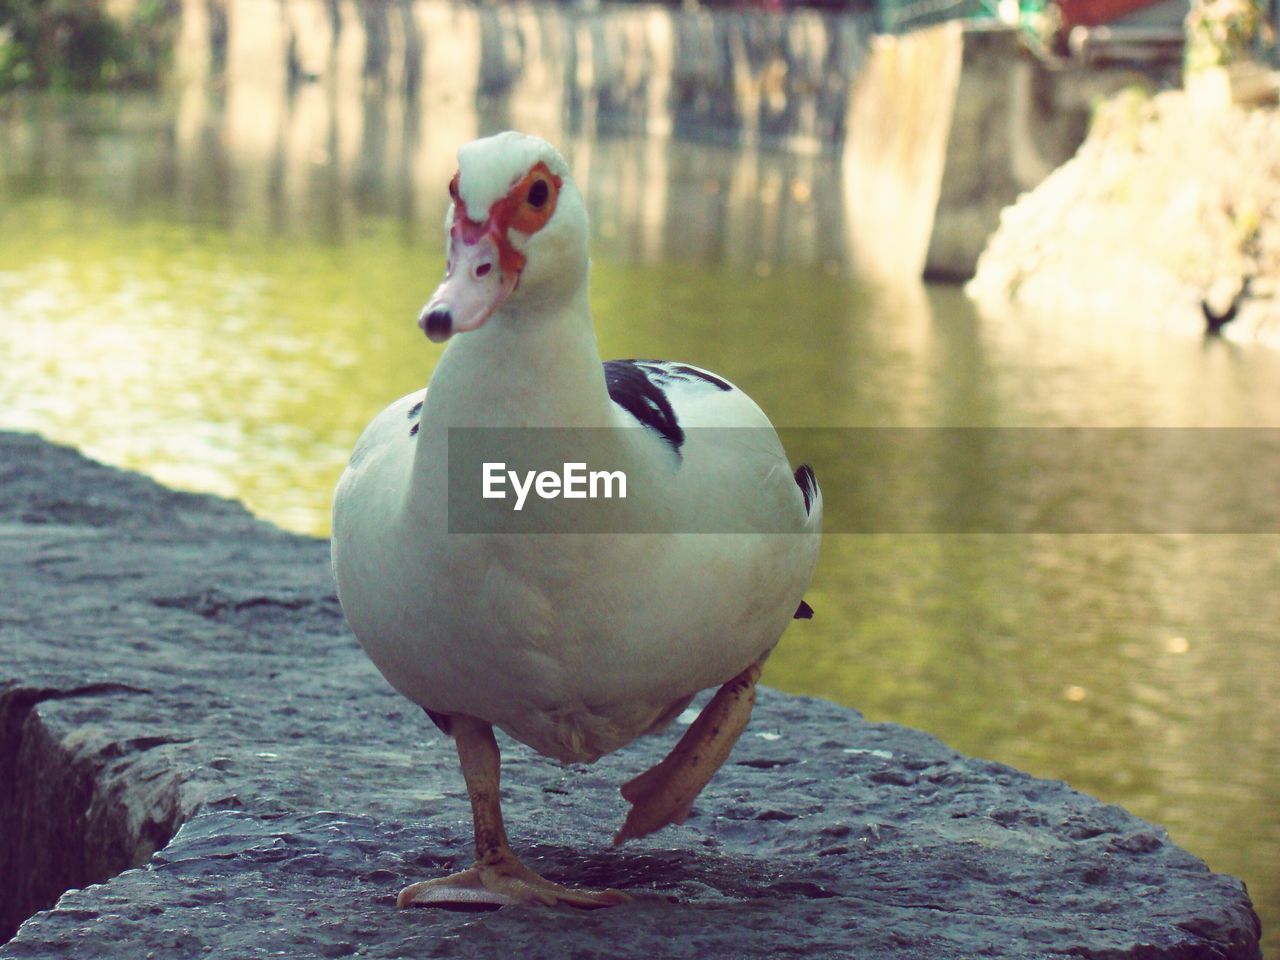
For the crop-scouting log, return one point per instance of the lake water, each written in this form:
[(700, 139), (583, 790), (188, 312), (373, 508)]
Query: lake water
[(225, 309)]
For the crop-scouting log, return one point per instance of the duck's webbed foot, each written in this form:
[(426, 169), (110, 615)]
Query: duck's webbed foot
[(665, 793), (497, 878)]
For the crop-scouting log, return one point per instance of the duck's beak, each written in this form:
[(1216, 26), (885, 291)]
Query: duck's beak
[(474, 286)]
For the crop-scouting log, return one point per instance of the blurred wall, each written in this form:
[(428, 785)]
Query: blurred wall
[(938, 129), (290, 105), (948, 126), (745, 75)]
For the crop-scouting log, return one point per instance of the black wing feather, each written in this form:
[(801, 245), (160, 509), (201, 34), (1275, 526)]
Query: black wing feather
[(808, 484), (639, 387), (632, 388)]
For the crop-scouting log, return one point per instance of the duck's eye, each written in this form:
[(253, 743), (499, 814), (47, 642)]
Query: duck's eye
[(453, 188), (534, 200)]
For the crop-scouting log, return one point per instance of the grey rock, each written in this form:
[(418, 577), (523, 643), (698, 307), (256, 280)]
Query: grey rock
[(191, 735)]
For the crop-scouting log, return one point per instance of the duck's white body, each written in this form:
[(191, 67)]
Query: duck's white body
[(574, 643)]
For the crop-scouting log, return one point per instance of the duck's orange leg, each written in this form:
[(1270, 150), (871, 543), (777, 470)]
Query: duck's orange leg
[(498, 877), (665, 793)]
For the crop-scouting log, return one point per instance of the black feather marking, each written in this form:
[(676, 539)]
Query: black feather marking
[(413, 431), (415, 410), (808, 484), (441, 720), (803, 612), (664, 372), (632, 388), (415, 414)]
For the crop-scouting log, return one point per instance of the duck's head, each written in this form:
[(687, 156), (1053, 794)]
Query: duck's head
[(517, 234)]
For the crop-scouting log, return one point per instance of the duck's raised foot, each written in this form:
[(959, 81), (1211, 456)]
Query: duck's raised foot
[(501, 882), (665, 793)]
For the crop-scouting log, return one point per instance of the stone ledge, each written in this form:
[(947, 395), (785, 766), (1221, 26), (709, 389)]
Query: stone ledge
[(179, 678)]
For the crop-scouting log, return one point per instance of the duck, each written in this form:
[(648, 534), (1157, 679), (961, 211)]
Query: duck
[(600, 623)]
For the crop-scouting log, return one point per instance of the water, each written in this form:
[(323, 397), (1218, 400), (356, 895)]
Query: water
[(226, 316)]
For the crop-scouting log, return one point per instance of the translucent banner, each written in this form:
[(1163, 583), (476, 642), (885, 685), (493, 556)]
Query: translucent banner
[(873, 480)]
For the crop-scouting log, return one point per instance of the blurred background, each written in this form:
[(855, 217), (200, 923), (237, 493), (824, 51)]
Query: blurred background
[(219, 218)]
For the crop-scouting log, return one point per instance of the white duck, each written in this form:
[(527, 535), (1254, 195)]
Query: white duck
[(573, 643)]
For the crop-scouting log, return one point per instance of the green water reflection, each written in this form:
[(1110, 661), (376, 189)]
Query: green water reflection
[(178, 319)]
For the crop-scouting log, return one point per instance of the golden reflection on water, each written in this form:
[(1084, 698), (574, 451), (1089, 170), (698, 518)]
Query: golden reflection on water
[(239, 368), (245, 364), (242, 354)]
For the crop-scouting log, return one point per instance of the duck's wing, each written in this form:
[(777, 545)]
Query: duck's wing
[(728, 457), (396, 426), (382, 459)]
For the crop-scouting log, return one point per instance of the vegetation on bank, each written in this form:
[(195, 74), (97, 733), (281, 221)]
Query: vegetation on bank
[(82, 45), (1223, 32)]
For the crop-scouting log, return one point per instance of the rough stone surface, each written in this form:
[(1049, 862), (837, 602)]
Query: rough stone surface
[(179, 679), (1168, 203)]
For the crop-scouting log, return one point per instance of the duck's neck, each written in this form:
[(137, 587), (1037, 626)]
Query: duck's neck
[(536, 369)]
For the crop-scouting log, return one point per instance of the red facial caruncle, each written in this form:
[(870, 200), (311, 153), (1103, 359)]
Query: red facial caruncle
[(484, 266)]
